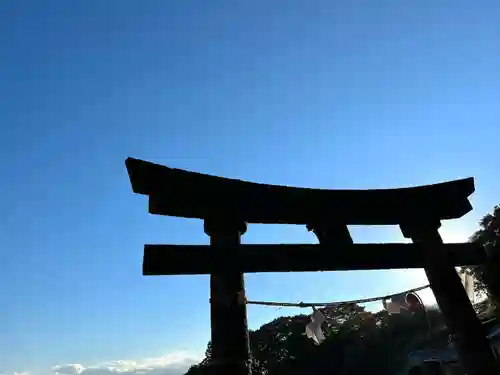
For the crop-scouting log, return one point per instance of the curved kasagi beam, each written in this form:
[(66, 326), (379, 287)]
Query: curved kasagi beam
[(175, 192)]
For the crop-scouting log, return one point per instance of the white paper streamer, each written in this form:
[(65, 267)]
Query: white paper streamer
[(396, 304), (468, 283), (313, 328)]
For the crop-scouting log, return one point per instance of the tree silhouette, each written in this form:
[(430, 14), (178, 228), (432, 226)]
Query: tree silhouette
[(357, 342), (486, 276)]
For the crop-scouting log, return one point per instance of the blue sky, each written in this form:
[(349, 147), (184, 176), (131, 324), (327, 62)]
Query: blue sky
[(330, 94)]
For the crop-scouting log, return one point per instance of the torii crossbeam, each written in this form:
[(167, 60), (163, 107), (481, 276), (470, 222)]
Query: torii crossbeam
[(227, 205)]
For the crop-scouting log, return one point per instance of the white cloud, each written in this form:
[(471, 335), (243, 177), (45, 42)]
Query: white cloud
[(170, 364), (69, 369)]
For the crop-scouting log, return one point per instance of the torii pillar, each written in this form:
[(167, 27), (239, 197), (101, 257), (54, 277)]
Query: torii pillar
[(228, 310)]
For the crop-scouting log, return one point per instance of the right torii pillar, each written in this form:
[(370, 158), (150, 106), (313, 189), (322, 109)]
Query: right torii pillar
[(467, 333)]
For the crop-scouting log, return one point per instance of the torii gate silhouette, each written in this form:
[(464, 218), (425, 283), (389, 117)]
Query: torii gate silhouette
[(227, 205)]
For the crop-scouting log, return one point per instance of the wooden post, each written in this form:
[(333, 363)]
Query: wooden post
[(467, 333), (230, 342), (331, 234)]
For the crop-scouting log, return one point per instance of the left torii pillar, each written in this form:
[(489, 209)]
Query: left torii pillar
[(230, 341)]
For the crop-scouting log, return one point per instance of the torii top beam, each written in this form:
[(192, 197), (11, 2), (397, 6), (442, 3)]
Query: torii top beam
[(176, 192)]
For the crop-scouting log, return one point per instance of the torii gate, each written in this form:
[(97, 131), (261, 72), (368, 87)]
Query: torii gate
[(227, 205)]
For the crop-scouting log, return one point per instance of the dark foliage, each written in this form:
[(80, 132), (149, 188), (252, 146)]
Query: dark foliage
[(488, 235), (357, 342)]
